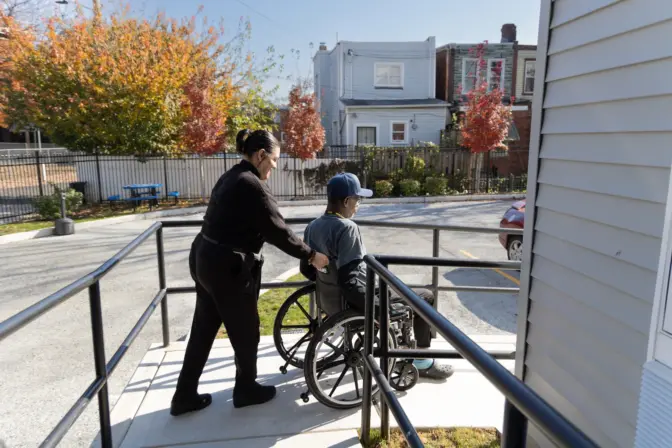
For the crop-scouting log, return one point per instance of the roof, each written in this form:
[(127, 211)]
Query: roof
[(389, 103)]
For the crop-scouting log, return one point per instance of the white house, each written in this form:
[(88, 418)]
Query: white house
[(379, 93), (594, 335)]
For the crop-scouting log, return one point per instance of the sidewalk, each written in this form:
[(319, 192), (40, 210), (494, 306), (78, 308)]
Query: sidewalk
[(141, 418)]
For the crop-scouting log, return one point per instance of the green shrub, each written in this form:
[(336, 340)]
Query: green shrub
[(436, 186), (458, 182), (49, 207), (414, 168), (409, 187), (383, 188)]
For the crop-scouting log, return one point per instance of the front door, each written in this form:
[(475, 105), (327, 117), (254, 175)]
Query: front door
[(366, 135)]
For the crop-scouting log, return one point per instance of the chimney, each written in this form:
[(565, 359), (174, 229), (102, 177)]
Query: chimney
[(323, 46), (508, 33)]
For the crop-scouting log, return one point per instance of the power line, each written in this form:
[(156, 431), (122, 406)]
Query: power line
[(255, 11)]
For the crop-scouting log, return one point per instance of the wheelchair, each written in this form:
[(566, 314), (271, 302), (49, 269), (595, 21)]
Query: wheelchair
[(316, 331)]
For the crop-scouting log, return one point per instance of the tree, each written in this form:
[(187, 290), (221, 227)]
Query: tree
[(486, 120), (120, 85), (304, 134)]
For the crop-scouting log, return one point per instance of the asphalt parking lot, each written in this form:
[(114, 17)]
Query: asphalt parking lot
[(47, 365)]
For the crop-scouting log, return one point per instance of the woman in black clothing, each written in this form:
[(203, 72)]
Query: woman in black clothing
[(225, 262)]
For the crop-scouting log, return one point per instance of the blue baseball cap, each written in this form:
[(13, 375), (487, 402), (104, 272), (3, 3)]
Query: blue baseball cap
[(345, 185)]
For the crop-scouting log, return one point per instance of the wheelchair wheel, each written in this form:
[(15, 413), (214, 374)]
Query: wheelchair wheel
[(294, 327), (404, 375), (334, 370)]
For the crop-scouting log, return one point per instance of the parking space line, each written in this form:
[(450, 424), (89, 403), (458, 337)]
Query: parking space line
[(499, 271)]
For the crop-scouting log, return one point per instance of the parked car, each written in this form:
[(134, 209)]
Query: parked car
[(514, 218)]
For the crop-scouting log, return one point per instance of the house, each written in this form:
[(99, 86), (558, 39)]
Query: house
[(593, 327), (379, 93), (279, 120), (457, 74)]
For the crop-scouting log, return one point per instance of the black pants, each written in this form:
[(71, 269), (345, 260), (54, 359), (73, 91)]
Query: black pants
[(227, 291), (422, 330)]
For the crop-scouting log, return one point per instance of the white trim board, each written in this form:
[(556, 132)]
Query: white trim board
[(533, 174), (407, 128), (516, 108)]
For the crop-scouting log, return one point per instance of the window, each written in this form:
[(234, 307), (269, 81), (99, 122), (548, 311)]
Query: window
[(282, 137), (528, 79), (366, 136), (471, 74), (495, 74), (398, 129), (389, 74)]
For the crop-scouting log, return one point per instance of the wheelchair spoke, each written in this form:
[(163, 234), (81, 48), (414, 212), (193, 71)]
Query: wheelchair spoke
[(340, 378), (303, 339), (304, 311), (329, 365), (336, 349)]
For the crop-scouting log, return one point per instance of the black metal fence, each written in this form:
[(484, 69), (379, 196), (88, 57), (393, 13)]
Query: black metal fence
[(26, 176)]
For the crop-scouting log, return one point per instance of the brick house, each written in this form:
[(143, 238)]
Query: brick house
[(455, 68)]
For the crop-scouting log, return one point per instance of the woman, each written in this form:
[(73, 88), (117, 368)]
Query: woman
[(225, 263)]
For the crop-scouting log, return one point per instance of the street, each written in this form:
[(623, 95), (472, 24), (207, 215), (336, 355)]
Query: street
[(47, 365)]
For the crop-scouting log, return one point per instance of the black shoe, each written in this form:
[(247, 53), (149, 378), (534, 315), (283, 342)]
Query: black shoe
[(251, 395), (179, 407)]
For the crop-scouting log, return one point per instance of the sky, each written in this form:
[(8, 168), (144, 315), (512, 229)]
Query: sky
[(294, 24)]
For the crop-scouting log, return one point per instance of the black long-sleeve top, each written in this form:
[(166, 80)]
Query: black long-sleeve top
[(243, 214)]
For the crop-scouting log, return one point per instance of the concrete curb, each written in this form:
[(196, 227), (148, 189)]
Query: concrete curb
[(14, 237)]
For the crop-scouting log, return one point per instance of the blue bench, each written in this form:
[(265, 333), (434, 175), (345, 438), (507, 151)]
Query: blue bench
[(174, 194), (137, 199)]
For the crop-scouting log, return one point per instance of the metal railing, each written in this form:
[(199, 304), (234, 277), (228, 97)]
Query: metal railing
[(92, 280), (522, 403)]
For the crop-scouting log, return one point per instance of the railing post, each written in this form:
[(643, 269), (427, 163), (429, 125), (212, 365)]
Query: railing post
[(38, 165), (369, 310), (99, 359), (384, 360), (435, 273), (514, 434), (162, 285), (99, 177)]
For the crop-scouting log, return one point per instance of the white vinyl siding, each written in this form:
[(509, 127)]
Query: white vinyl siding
[(600, 185)]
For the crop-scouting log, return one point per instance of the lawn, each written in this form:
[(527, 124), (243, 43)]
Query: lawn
[(441, 438), (270, 303), (94, 213)]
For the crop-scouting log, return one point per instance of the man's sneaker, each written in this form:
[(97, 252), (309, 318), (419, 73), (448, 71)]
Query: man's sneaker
[(437, 371)]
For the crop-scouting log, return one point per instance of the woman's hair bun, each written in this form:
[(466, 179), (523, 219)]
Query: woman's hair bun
[(240, 140)]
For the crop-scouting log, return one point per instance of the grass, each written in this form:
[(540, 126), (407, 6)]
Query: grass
[(270, 303), (94, 213), (441, 438)]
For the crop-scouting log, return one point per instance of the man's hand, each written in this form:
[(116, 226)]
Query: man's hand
[(319, 261)]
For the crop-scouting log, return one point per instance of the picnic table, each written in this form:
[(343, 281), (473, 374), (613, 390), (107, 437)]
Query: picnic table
[(144, 192)]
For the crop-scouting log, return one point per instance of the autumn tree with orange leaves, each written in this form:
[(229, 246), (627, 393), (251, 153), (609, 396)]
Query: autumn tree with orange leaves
[(486, 120), (304, 133), (121, 85)]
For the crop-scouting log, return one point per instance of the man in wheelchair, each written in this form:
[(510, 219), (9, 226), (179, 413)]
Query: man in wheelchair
[(337, 236)]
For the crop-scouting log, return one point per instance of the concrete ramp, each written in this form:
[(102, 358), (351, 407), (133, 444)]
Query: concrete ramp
[(140, 417)]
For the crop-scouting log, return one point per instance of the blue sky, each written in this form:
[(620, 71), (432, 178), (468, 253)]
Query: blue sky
[(293, 24)]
